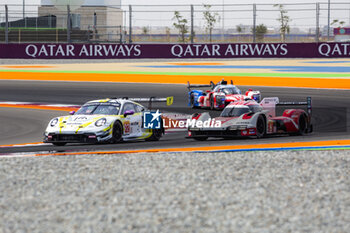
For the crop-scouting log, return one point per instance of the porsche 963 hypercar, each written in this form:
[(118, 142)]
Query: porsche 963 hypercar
[(248, 118)]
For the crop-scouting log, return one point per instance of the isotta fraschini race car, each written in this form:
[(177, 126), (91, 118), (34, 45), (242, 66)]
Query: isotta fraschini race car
[(106, 120), (219, 96), (251, 119)]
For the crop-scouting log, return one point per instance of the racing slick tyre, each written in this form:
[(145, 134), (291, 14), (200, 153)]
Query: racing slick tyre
[(59, 143), (260, 127), (117, 133), (192, 101), (211, 102), (302, 125), (156, 135)]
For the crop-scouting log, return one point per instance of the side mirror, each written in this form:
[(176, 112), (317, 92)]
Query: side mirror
[(71, 112), (128, 113)]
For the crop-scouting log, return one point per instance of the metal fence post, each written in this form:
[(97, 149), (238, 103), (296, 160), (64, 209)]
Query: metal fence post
[(94, 27), (254, 23), (6, 25), (24, 15), (95, 20), (88, 34), (317, 36), (329, 19), (192, 24), (223, 21), (68, 24), (130, 24)]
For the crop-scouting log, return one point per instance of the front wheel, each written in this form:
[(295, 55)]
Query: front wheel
[(260, 127), (117, 133)]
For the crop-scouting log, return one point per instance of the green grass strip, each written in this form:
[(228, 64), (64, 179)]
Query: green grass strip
[(287, 75)]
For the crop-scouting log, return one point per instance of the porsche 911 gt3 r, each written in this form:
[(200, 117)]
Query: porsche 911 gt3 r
[(107, 120)]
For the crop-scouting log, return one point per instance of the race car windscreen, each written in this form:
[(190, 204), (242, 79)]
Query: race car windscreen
[(234, 112), (99, 109), (231, 90), (238, 111)]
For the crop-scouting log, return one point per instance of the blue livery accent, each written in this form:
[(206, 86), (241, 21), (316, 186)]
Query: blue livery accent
[(197, 94)]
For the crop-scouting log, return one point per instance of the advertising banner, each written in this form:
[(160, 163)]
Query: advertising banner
[(181, 51)]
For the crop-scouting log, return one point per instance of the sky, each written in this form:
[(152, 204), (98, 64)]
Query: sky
[(177, 2), (302, 16)]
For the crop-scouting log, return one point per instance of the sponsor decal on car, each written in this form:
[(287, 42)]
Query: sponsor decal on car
[(127, 128)]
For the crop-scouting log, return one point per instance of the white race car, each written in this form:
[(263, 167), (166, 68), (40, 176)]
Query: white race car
[(249, 118), (107, 120)]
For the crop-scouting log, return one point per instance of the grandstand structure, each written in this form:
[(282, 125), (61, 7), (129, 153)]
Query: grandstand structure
[(103, 17)]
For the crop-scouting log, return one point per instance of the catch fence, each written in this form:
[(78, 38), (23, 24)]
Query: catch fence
[(219, 23)]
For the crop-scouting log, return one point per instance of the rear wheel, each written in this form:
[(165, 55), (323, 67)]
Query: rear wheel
[(211, 102), (302, 125), (59, 143), (260, 127), (156, 135), (192, 101), (117, 133)]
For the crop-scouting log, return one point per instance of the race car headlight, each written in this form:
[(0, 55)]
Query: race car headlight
[(232, 127), (237, 127), (256, 98), (101, 122), (242, 127), (220, 98), (54, 122)]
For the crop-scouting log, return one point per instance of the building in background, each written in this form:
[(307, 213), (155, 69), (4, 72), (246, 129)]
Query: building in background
[(104, 18), (342, 34)]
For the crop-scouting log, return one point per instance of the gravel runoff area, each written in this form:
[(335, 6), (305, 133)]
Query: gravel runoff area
[(293, 191)]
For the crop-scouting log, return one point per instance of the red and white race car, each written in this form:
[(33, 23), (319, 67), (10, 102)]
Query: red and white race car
[(249, 118), (219, 96)]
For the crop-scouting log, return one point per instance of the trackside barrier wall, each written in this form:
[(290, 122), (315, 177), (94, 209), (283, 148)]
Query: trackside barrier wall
[(180, 51)]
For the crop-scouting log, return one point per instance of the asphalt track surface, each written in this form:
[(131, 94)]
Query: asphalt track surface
[(330, 113)]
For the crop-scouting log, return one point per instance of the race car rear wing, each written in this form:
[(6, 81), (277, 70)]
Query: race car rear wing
[(270, 104), (212, 84), (168, 100), (307, 103), (189, 86)]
